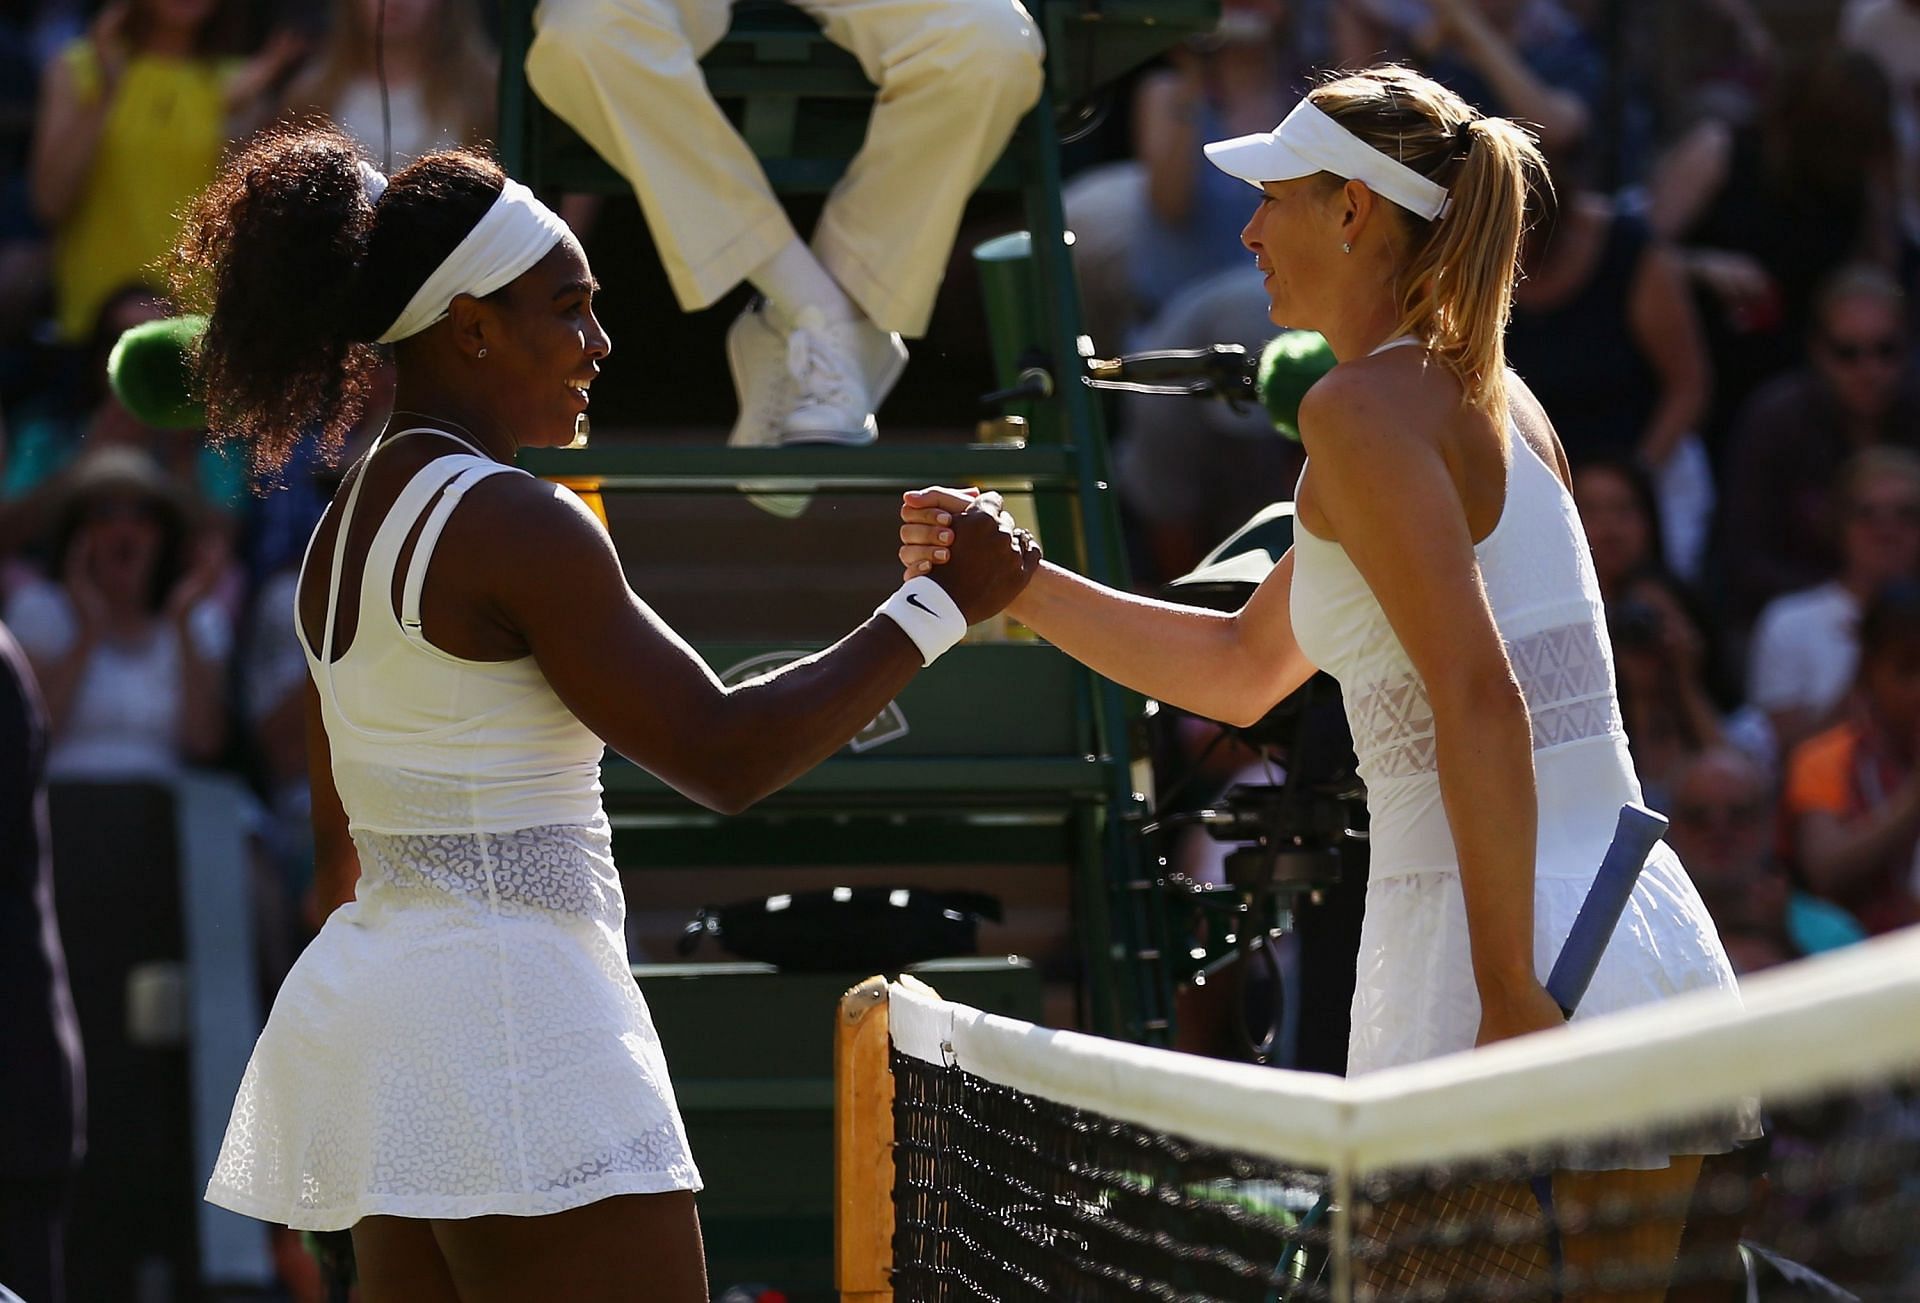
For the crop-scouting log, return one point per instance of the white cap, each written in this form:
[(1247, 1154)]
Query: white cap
[(1309, 142)]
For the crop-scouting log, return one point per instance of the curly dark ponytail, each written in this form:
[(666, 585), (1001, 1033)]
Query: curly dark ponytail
[(299, 273)]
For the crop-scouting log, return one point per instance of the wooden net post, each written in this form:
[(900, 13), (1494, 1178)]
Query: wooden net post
[(863, 1147)]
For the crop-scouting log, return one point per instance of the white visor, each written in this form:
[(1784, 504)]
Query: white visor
[(516, 232), (1309, 142)]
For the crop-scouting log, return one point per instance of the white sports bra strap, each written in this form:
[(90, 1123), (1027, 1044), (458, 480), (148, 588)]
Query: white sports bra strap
[(1404, 341), (450, 495), (340, 546)]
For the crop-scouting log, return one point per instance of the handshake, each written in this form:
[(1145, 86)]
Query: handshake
[(969, 545)]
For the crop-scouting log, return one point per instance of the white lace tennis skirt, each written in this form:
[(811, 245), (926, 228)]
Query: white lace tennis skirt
[(1414, 996), (465, 1038)]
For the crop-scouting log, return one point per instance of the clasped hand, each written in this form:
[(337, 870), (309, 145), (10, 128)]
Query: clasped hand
[(984, 559)]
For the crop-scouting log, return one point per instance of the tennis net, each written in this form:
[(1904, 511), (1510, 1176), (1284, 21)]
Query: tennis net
[(1619, 1159)]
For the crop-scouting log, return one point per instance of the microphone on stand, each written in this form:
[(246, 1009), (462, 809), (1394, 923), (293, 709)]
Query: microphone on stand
[(1277, 379)]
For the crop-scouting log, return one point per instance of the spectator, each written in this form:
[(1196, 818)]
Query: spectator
[(129, 652), (1605, 334), (1805, 647), (1662, 654), (42, 1090), (1621, 517), (1660, 659), (1853, 792), (1861, 389), (1888, 32), (1764, 214), (1236, 81), (1514, 58), (441, 71), (1723, 826), (131, 122)]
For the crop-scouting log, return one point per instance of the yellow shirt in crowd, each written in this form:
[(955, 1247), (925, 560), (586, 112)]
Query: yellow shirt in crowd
[(159, 148)]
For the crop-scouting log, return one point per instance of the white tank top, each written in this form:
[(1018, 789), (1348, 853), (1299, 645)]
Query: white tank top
[(1546, 603), (423, 741)]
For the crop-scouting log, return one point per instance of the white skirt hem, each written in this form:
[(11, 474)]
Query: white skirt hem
[(445, 1207)]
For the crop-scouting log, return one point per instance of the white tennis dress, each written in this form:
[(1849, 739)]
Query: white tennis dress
[(464, 1037), (1415, 995)]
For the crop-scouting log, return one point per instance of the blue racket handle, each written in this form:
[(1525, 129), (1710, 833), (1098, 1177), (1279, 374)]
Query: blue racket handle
[(1633, 841)]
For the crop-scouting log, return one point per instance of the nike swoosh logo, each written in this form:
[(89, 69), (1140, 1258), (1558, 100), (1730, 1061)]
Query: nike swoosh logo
[(913, 599)]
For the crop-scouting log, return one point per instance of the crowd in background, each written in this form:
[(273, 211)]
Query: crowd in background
[(1717, 313)]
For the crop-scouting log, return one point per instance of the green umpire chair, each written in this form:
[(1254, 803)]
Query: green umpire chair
[(1007, 753)]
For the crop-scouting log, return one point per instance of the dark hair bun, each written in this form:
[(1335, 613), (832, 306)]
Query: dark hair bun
[(298, 273)]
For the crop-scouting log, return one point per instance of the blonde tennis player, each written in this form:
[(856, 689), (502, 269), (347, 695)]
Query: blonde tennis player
[(1439, 572)]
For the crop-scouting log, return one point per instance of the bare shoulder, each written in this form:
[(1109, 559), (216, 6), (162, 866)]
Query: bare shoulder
[(1371, 405), (513, 520), (1531, 419)]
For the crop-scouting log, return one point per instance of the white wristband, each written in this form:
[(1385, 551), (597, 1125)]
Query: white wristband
[(928, 614)]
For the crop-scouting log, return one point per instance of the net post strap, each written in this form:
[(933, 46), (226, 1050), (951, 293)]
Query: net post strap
[(863, 1146)]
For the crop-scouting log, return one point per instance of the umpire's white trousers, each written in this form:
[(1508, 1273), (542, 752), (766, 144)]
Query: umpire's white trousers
[(954, 78)]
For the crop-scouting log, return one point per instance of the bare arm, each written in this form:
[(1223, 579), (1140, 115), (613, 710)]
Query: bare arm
[(1667, 331), (1226, 667), (1561, 117), (1687, 177), (66, 137), (632, 680), (1388, 493), (1838, 857), (203, 704), (1233, 668)]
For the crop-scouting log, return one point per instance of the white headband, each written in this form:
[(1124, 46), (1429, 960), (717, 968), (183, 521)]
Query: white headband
[(515, 234), (1309, 142)]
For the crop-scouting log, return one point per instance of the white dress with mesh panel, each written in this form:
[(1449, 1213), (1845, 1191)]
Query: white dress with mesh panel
[(465, 1037), (1415, 996)]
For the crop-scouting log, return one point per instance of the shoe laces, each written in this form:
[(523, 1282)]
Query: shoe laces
[(825, 369)]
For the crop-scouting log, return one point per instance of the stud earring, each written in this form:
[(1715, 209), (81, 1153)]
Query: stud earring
[(1345, 247), (483, 352)]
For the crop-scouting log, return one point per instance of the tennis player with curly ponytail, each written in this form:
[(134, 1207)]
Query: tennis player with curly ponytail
[(459, 1068), (1440, 573)]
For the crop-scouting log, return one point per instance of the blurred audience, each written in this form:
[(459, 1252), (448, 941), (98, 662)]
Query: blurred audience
[(132, 119), (1605, 333), (1150, 227), (1859, 389), (441, 74), (1231, 83), (1620, 513), (129, 651), (1888, 32), (1805, 647), (1661, 661), (1765, 211), (1852, 799), (1723, 830), (51, 430), (1524, 59)]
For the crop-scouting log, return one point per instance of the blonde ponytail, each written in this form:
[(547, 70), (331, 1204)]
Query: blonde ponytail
[(1456, 285)]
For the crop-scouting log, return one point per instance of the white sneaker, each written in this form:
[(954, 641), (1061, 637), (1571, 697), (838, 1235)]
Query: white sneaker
[(764, 387), (842, 371)]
